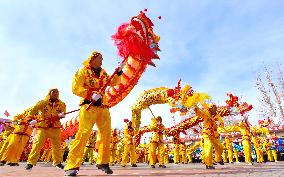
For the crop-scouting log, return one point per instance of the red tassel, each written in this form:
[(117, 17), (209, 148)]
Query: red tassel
[(160, 17), (145, 10)]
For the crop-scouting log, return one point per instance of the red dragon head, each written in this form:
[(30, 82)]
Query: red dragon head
[(137, 38)]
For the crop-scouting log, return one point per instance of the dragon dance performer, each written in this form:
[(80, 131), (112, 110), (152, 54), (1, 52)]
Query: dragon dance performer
[(176, 141), (49, 111), (86, 84), (183, 152), (113, 146), (210, 135), (18, 139), (90, 148), (167, 153), (246, 140), (6, 135), (229, 147), (157, 142), (129, 147), (258, 150)]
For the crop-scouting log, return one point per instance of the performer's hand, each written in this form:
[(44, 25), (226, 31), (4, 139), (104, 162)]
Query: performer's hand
[(61, 115), (33, 122), (96, 96), (120, 66)]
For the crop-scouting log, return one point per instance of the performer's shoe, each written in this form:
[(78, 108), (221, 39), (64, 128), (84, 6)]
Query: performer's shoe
[(98, 166), (162, 166), (134, 165), (29, 166), (106, 169), (60, 166), (221, 163), (123, 165), (210, 167), (152, 166), (13, 164), (2, 163), (71, 172), (214, 163)]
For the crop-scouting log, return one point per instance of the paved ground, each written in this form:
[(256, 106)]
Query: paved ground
[(270, 169)]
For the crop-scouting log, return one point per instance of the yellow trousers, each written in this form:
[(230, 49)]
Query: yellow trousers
[(166, 158), (161, 153), (230, 155), (44, 154), (183, 157), (87, 119), (189, 158), (236, 155), (89, 152), (15, 148), (224, 156), (42, 134), (112, 156), (269, 155), (4, 145), (259, 156), (176, 154), (129, 149), (209, 142), (274, 154), (247, 150)]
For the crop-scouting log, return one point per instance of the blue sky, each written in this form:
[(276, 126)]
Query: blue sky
[(215, 46)]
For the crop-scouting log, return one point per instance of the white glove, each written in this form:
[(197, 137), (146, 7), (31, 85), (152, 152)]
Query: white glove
[(61, 115), (120, 66), (96, 96), (33, 122), (14, 122)]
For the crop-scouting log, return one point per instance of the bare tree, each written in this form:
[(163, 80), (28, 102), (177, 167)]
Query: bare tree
[(266, 101)]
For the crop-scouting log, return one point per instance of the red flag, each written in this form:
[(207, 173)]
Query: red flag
[(7, 113)]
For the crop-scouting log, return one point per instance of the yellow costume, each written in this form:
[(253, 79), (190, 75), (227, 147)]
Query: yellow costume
[(167, 153), (183, 153), (157, 142), (258, 150), (246, 140), (129, 148), (47, 113), (113, 146), (176, 141), (86, 82), (6, 135), (229, 147), (210, 136), (18, 140), (90, 148)]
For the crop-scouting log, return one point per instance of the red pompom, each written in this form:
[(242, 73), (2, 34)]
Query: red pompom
[(126, 120), (145, 10), (159, 17)]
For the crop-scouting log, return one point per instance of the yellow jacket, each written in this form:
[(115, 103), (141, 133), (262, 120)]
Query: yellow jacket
[(86, 82), (245, 131), (157, 131), (209, 122), (45, 109), (128, 135), (23, 128)]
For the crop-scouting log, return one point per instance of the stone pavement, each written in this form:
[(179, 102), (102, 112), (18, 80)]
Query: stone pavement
[(269, 169)]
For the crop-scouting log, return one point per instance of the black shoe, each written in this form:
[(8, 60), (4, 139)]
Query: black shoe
[(106, 169), (133, 165), (152, 166), (221, 163), (214, 163), (13, 164), (210, 167), (2, 163), (71, 172), (99, 166), (29, 166), (162, 166), (60, 166)]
